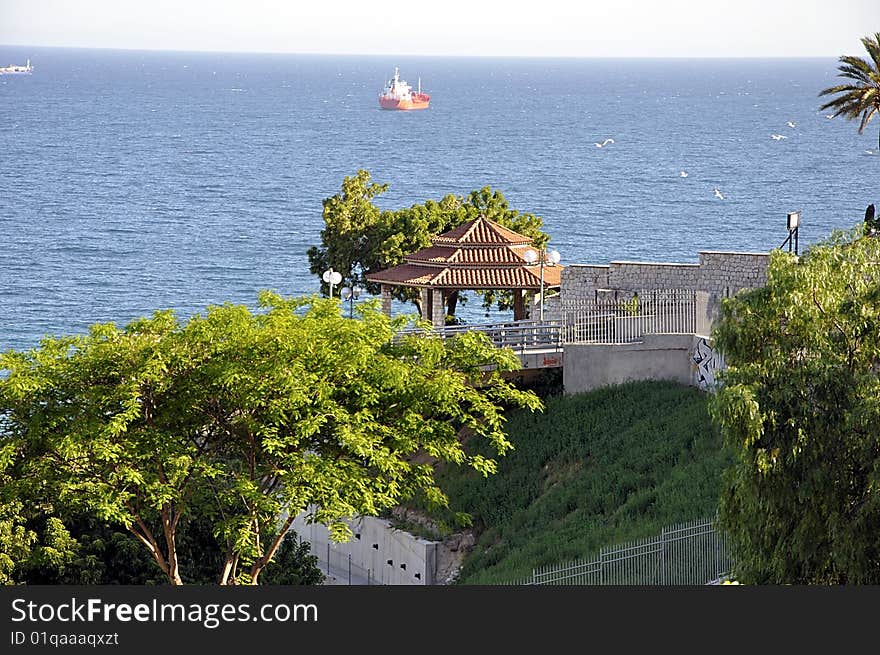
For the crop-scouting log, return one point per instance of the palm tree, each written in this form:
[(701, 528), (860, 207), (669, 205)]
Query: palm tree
[(862, 97)]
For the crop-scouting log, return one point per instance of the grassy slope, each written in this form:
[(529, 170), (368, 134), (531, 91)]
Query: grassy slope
[(594, 469)]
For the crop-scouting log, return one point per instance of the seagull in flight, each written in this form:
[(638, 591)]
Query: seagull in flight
[(604, 143), (778, 137), (790, 123), (718, 194), (683, 174), (829, 116)]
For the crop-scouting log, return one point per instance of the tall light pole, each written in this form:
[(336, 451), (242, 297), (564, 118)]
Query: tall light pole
[(794, 223), (551, 258), (332, 278), (350, 294)]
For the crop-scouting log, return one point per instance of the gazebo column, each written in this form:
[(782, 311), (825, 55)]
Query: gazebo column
[(438, 308), (425, 303), (519, 304), (386, 299)]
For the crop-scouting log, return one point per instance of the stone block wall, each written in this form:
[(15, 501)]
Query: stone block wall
[(727, 273), (720, 274)]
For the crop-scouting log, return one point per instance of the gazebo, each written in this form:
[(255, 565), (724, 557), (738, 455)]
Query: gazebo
[(480, 254)]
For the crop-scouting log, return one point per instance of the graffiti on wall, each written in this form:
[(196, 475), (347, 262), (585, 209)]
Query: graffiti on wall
[(707, 364)]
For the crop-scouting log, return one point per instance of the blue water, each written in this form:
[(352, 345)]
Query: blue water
[(134, 181)]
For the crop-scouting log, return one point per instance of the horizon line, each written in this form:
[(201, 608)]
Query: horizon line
[(404, 54)]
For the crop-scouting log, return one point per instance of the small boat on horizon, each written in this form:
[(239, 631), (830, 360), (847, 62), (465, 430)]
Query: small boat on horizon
[(397, 94), (15, 69)]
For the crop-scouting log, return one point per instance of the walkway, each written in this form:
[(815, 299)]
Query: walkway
[(539, 344)]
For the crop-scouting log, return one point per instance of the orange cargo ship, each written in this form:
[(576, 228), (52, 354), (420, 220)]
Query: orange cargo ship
[(397, 94)]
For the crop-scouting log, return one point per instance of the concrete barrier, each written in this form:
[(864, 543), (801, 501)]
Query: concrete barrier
[(658, 357), (376, 554)]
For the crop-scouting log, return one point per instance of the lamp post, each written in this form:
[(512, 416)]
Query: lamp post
[(332, 278), (350, 294), (794, 222), (551, 258)]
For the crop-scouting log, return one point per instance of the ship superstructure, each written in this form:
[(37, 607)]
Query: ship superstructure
[(398, 94), (15, 69)]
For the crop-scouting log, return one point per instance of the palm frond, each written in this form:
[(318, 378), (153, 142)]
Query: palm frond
[(866, 118), (873, 48), (855, 68), (849, 104), (841, 88), (859, 100)]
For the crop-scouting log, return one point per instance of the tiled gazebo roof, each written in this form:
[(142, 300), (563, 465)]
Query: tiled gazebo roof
[(481, 232), (480, 254)]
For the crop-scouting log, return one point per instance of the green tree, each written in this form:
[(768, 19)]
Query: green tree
[(31, 534), (294, 565), (859, 99), (358, 238), (351, 225), (102, 554), (16, 541), (800, 406), (245, 420)]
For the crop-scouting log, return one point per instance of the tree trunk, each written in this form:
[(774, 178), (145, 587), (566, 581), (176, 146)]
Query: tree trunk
[(261, 563), (227, 568), (145, 536), (169, 527), (153, 548)]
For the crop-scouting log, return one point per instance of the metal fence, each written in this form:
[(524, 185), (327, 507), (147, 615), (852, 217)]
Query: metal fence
[(692, 553), (519, 336), (339, 569), (669, 311), (611, 320)]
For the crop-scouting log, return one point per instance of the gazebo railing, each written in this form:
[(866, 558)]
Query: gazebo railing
[(519, 336)]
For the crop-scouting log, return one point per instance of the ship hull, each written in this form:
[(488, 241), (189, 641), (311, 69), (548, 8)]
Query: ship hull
[(17, 70), (404, 104)]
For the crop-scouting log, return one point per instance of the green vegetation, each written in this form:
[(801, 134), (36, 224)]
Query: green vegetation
[(94, 553), (859, 99), (358, 238), (233, 423), (594, 469), (800, 404)]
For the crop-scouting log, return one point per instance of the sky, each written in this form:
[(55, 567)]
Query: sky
[(553, 28)]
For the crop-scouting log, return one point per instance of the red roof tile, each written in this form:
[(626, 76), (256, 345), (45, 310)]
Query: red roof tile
[(482, 256), (520, 277), (407, 275), (480, 231)]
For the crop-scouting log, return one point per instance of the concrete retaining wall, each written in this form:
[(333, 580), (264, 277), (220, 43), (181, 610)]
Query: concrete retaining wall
[(684, 358), (658, 357), (379, 553)]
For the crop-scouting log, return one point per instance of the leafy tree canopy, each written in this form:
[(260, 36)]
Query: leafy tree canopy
[(31, 534), (244, 420), (800, 405), (86, 551), (358, 238)]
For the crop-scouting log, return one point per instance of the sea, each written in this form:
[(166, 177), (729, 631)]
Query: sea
[(132, 181)]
